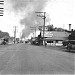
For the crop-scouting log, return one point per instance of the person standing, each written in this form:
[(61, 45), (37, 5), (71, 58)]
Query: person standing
[(45, 43)]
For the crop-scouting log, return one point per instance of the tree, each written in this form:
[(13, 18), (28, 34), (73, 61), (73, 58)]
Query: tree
[(4, 34), (50, 28)]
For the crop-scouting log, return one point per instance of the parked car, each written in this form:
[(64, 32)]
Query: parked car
[(70, 44), (3, 41)]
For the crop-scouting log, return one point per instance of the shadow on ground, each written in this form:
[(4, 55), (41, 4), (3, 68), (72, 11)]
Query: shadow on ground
[(60, 48)]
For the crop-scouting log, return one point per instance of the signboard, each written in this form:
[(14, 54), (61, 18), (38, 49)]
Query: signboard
[(47, 34)]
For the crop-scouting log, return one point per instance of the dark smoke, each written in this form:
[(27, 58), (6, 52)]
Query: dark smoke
[(29, 7)]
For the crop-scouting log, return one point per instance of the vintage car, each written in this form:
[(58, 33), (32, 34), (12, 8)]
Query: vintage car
[(3, 41), (70, 44)]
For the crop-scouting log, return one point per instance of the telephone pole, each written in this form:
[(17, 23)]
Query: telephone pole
[(44, 17), (15, 34)]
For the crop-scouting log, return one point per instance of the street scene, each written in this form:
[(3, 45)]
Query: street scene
[(30, 59), (37, 37)]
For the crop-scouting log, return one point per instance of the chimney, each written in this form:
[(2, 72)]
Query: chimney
[(69, 27)]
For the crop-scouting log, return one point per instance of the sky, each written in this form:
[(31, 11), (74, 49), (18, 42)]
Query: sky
[(21, 13)]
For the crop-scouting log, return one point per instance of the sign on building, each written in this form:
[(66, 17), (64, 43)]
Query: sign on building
[(47, 34)]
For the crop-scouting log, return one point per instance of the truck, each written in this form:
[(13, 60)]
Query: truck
[(37, 41)]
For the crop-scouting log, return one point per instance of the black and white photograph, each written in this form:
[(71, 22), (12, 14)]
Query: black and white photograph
[(37, 37)]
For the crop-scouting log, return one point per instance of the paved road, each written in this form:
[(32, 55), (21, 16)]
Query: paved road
[(29, 59)]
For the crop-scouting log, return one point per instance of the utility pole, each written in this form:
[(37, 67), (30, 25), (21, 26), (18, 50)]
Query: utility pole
[(20, 36), (33, 28), (35, 31), (44, 17), (14, 34)]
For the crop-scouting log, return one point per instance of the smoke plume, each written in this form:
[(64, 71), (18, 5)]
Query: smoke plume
[(28, 9)]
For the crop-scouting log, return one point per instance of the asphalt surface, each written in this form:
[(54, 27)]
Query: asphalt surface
[(30, 59)]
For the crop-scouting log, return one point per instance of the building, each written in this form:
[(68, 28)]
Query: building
[(55, 35)]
